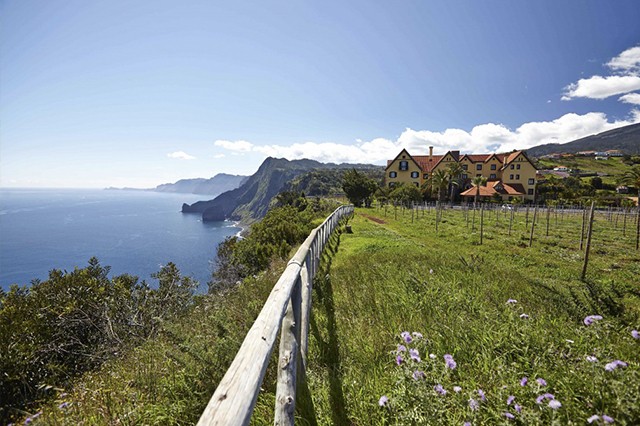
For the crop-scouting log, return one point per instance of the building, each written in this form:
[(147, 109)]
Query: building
[(509, 175)]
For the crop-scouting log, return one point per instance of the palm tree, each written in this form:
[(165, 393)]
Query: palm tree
[(632, 178), (439, 181), (478, 181), (454, 170)]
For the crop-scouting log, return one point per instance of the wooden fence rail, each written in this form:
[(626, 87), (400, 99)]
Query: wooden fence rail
[(287, 308)]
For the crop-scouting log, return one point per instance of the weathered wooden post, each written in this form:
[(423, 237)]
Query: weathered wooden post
[(510, 221), (533, 224), (548, 213), (481, 222), (586, 252), (584, 220)]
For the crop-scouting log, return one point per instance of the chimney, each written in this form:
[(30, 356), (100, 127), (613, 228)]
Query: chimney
[(504, 161), (430, 153)]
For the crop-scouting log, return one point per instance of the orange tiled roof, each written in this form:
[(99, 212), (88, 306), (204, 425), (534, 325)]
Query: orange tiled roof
[(496, 187)]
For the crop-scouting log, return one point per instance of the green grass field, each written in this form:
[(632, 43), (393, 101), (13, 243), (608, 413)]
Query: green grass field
[(393, 275)]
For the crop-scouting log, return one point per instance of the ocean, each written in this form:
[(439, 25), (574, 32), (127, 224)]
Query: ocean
[(133, 232)]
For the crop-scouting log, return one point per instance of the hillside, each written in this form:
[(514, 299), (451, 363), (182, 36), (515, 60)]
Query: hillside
[(218, 184), (625, 139), (251, 200)]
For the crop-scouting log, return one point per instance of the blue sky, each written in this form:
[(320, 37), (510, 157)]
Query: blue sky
[(121, 93)]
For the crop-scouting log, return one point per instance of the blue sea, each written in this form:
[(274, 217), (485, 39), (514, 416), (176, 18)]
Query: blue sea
[(133, 232)]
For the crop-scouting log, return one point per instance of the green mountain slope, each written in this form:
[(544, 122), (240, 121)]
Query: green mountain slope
[(218, 184)]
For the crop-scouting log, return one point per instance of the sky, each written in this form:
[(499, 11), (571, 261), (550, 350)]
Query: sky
[(138, 93)]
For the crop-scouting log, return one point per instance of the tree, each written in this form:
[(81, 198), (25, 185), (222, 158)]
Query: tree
[(632, 178), (358, 188), (406, 194), (477, 182), (454, 171), (439, 181)]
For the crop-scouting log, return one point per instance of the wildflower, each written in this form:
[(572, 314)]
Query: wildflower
[(406, 336), (481, 394), (511, 301), (555, 404), (635, 334), (524, 316), (593, 418), (569, 341), (591, 319), (431, 271), (523, 381), (438, 388), (615, 364), (449, 361), (591, 358), (63, 405), (607, 419), (466, 424), (541, 382), (402, 348), (518, 408), (413, 353), (473, 404), (28, 421), (418, 375), (383, 401), (510, 399), (509, 416), (432, 356), (457, 389), (399, 360), (544, 396), (417, 335)]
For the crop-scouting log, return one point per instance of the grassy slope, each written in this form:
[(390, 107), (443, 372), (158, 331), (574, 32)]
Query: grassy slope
[(612, 167), (380, 285)]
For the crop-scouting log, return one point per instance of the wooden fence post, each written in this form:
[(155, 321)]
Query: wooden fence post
[(586, 252), (533, 224)]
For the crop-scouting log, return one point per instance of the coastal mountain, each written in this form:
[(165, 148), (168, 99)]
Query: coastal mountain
[(625, 139), (218, 184), (251, 200)]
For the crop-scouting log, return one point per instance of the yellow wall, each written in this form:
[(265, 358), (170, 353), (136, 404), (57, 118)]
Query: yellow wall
[(403, 176)]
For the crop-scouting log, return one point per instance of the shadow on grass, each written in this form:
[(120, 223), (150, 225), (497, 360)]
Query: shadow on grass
[(329, 352)]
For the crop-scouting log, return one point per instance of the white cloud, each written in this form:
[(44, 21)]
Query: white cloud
[(219, 156), (631, 98), (629, 60), (484, 138), (181, 155), (238, 146), (598, 87)]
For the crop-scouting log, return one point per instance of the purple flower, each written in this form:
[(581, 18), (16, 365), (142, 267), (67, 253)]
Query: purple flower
[(555, 404), (541, 382), (481, 394), (518, 408), (473, 404), (544, 396), (523, 381), (593, 418), (524, 316), (466, 424), (591, 358), (417, 335), (406, 336), (509, 416), (438, 388), (399, 360), (28, 421), (413, 353), (449, 361), (510, 399), (402, 348), (383, 401), (64, 405), (591, 319), (418, 375), (607, 419), (457, 389), (635, 334), (615, 364), (511, 301)]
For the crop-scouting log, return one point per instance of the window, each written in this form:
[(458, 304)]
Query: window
[(531, 181), (415, 175), (404, 165), (493, 167), (518, 166), (517, 177), (465, 176), (393, 174), (416, 183), (425, 176), (464, 167), (478, 166), (510, 177), (512, 167), (530, 191), (492, 176), (478, 175)]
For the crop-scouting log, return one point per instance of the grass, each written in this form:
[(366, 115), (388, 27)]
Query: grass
[(394, 275)]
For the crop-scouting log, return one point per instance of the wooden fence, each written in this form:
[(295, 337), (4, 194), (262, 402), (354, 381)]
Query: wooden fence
[(288, 308)]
